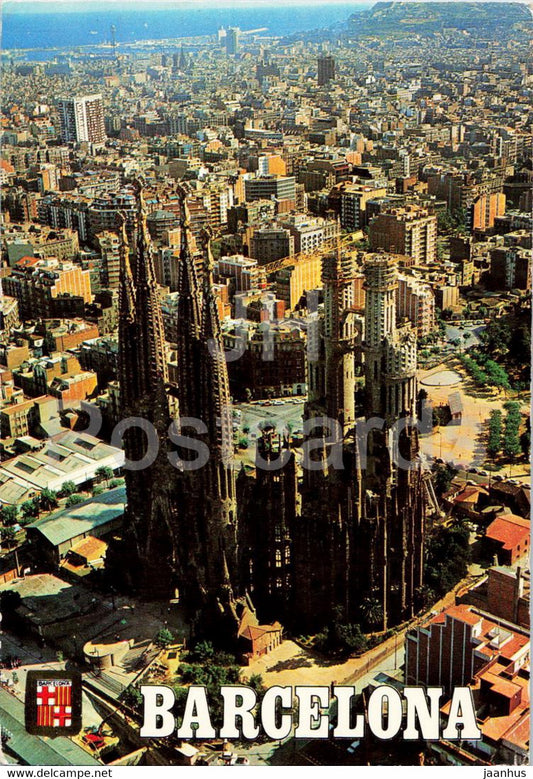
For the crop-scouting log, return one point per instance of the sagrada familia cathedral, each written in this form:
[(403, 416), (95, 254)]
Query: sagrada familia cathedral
[(342, 531)]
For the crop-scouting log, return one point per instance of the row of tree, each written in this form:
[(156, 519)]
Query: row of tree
[(494, 443), (511, 431), (504, 435), (507, 340), (47, 501), (484, 371)]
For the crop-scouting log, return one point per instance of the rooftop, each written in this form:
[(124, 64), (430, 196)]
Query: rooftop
[(68, 456), (47, 600), (82, 518), (509, 530)]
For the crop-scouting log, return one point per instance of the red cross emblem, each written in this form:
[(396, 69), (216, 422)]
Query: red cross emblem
[(62, 716), (46, 696)]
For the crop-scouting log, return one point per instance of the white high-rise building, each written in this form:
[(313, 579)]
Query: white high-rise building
[(82, 119)]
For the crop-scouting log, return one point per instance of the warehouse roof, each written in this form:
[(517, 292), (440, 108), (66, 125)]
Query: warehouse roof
[(69, 455), (82, 518)]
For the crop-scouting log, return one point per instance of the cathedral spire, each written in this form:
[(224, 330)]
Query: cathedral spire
[(126, 289), (128, 331), (210, 318), (150, 361), (214, 380), (144, 269), (189, 319)]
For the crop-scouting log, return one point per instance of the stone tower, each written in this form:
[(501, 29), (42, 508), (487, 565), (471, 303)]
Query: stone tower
[(358, 541), (148, 555), (333, 367), (180, 533), (270, 502), (390, 350)]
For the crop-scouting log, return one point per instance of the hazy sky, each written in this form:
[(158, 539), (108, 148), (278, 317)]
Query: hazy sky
[(182, 3), (175, 3)]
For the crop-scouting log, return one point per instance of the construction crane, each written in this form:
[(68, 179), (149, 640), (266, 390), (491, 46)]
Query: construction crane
[(303, 257)]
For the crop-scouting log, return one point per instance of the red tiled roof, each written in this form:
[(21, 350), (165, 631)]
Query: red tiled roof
[(509, 530), (462, 612), (256, 631), (25, 262), (470, 494)]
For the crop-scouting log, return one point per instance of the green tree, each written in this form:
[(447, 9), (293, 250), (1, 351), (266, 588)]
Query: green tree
[(344, 636), (496, 337), (104, 473), (133, 698), (47, 500), (30, 508), (511, 435), (494, 443), (447, 556), (203, 652), (350, 637), (443, 473), (164, 638), (7, 534), (74, 500), (425, 596), (511, 444), (459, 219), (67, 488), (8, 515), (525, 439), (256, 683), (445, 222), (372, 612)]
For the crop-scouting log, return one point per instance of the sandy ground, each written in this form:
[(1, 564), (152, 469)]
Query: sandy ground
[(462, 444)]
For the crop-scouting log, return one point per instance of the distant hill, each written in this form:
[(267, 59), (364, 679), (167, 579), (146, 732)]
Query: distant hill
[(423, 18)]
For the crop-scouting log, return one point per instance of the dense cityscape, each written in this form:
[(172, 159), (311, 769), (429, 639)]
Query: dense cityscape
[(265, 310)]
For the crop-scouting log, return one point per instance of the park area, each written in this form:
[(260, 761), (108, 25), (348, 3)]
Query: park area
[(462, 441)]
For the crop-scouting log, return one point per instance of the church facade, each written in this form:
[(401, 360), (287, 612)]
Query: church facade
[(341, 532)]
